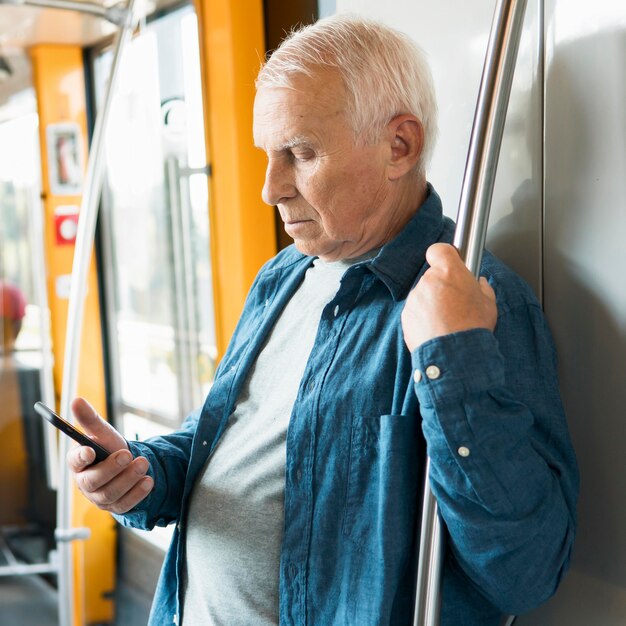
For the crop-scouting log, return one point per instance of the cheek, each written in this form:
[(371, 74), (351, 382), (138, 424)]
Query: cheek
[(323, 191), (356, 192), (342, 196), (335, 203)]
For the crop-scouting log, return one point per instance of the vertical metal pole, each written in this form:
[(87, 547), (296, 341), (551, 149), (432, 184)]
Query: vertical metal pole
[(186, 335), (469, 239), (41, 298), (65, 534), (486, 138), (182, 331)]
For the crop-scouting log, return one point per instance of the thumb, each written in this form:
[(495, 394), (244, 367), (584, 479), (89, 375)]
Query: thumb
[(97, 428)]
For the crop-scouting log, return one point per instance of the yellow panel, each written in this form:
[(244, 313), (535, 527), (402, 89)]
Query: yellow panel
[(59, 84), (242, 226), (13, 458)]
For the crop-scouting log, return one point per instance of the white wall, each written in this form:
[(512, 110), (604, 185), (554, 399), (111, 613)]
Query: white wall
[(585, 290)]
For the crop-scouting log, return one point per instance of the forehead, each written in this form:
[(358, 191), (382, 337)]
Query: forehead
[(310, 106)]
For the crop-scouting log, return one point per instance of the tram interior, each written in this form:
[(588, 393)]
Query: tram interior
[(154, 326)]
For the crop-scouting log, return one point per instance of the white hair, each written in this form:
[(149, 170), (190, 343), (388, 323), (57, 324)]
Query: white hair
[(384, 72)]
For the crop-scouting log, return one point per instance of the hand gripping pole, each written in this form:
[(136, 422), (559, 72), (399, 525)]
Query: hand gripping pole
[(469, 239)]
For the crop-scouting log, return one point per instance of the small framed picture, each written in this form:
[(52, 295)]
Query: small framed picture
[(65, 159)]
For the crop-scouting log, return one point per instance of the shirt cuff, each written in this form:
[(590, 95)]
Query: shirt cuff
[(449, 367)]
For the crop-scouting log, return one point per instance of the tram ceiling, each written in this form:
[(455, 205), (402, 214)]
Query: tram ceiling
[(83, 23), (25, 23), (24, 26)]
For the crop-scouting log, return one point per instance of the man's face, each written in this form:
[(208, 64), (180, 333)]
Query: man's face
[(333, 196)]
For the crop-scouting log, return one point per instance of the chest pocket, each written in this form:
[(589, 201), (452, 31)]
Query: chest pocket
[(384, 483)]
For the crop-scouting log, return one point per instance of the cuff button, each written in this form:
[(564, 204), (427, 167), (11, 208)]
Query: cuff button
[(463, 451), (433, 372)]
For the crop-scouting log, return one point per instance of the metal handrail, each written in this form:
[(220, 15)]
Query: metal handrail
[(469, 239), (82, 255)]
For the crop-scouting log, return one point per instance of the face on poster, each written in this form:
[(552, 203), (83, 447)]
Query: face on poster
[(65, 161)]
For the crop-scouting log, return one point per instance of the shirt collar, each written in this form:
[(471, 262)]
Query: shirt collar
[(399, 262)]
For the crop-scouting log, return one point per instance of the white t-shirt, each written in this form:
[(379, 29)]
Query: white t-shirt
[(236, 510)]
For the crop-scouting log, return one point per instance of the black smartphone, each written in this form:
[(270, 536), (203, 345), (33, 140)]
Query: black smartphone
[(64, 426)]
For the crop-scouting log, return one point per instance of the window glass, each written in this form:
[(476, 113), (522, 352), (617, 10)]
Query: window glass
[(27, 461), (156, 228)]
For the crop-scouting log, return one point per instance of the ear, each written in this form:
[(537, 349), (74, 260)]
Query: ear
[(406, 136)]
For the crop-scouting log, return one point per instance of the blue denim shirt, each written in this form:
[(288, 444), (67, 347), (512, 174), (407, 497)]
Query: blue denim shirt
[(358, 436)]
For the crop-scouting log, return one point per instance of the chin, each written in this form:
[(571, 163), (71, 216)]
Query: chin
[(311, 249), (307, 247)]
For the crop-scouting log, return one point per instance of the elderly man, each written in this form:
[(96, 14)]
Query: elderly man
[(295, 490)]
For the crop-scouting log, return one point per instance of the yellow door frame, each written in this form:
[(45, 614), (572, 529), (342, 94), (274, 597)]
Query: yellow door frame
[(243, 237), (59, 85)]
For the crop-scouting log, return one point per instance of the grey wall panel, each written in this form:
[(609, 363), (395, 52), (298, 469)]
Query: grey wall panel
[(585, 290)]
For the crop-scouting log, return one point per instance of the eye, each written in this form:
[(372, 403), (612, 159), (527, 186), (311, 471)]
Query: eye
[(302, 154)]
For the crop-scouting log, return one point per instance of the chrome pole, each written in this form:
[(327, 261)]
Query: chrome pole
[(65, 533), (486, 138), (469, 239)]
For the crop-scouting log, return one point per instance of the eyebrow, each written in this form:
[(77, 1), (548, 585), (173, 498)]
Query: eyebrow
[(294, 142)]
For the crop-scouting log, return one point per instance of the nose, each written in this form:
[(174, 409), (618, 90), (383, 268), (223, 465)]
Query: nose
[(279, 183)]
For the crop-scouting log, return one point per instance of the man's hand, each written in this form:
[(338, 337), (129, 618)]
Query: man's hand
[(119, 482), (447, 299)]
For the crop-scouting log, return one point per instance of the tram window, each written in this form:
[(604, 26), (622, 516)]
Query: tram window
[(19, 186), (27, 468), (156, 229)]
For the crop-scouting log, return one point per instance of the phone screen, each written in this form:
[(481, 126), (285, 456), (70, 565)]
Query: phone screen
[(64, 426)]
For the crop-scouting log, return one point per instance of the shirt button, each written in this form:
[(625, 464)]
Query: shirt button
[(433, 372), (299, 475), (463, 451), (336, 310), (205, 443), (417, 376)]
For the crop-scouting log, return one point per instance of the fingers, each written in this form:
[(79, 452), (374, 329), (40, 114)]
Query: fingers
[(80, 457), (446, 256), (117, 484), (133, 497), (447, 299), (442, 254), (487, 289)]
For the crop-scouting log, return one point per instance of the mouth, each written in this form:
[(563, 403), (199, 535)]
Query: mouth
[(292, 222), (294, 227)]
